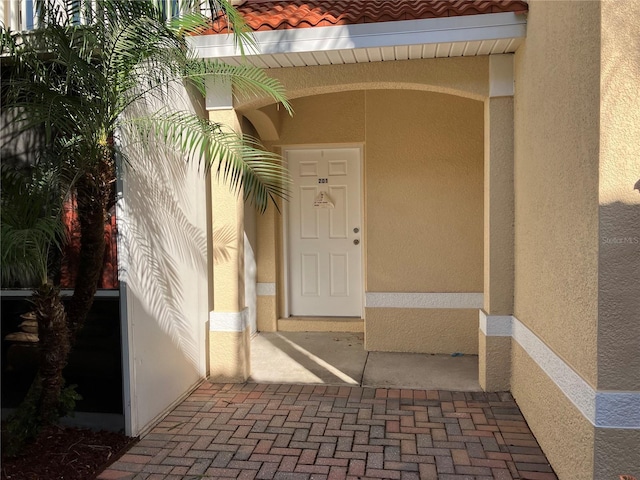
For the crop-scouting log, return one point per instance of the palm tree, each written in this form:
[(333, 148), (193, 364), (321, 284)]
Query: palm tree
[(80, 85), (31, 227)]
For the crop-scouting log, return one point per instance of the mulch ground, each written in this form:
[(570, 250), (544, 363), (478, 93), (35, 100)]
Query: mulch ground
[(62, 453)]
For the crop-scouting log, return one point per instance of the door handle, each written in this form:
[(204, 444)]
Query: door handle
[(356, 241)]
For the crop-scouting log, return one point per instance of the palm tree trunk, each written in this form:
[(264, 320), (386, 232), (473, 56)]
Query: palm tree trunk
[(42, 404), (54, 349), (93, 196), (91, 216)]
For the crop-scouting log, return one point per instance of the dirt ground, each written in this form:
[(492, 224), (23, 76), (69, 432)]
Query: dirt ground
[(62, 453)]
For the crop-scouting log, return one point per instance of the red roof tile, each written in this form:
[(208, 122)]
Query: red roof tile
[(263, 15)]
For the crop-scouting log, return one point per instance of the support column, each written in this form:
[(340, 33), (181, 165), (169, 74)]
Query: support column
[(266, 259), (495, 319), (229, 332), (617, 403), (268, 251)]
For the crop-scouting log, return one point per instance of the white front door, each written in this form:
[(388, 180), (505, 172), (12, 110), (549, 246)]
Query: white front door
[(325, 232)]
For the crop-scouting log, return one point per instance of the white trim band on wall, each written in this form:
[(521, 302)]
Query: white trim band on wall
[(603, 409), (265, 289), (572, 385), (229, 321), (618, 410), (423, 300), (496, 325)]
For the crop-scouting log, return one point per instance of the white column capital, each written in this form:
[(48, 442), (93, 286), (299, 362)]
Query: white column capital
[(501, 80), (219, 93)]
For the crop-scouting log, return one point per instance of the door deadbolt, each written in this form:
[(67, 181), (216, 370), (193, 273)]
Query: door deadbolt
[(356, 230), (356, 241)]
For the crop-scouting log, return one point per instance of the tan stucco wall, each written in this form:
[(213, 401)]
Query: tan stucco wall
[(438, 330), (498, 206), (266, 313), (577, 257), (467, 77), (266, 255), (494, 363), (266, 245), (331, 118), (564, 434), (229, 354), (424, 192), (619, 267), (435, 142), (617, 452), (323, 119), (422, 150), (556, 180), (228, 235)]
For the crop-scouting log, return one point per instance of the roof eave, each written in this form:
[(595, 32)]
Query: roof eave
[(428, 32)]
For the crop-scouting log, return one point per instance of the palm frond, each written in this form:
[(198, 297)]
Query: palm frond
[(242, 35), (79, 82), (238, 160), (246, 79), (30, 224), (189, 23)]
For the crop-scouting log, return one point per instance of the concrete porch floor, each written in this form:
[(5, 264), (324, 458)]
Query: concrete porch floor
[(340, 359)]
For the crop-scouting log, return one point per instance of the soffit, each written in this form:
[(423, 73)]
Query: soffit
[(306, 33)]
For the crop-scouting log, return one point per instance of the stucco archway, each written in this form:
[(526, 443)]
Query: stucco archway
[(459, 86)]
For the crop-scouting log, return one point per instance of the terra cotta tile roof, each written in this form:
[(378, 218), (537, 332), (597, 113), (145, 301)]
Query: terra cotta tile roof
[(261, 15)]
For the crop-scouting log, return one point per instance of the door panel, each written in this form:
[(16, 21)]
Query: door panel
[(309, 218), (338, 216), (310, 274), (339, 275), (324, 233)]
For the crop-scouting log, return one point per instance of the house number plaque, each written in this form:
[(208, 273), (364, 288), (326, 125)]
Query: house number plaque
[(323, 180)]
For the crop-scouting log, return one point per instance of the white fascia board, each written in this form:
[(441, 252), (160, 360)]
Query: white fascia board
[(468, 28)]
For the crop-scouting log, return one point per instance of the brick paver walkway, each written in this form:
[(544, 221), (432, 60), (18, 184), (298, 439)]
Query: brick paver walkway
[(258, 431)]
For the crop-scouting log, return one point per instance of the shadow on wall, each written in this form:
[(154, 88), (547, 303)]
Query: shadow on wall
[(620, 241), (223, 244), (165, 248), (250, 278), (619, 273)]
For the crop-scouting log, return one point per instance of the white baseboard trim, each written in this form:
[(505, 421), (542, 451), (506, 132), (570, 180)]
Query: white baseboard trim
[(496, 325), (604, 409), (423, 300), (229, 321), (576, 389)]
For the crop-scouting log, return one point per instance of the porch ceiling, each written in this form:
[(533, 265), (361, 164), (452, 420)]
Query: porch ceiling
[(458, 36)]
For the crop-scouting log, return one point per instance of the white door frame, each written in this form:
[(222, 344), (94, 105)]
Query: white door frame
[(285, 220)]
